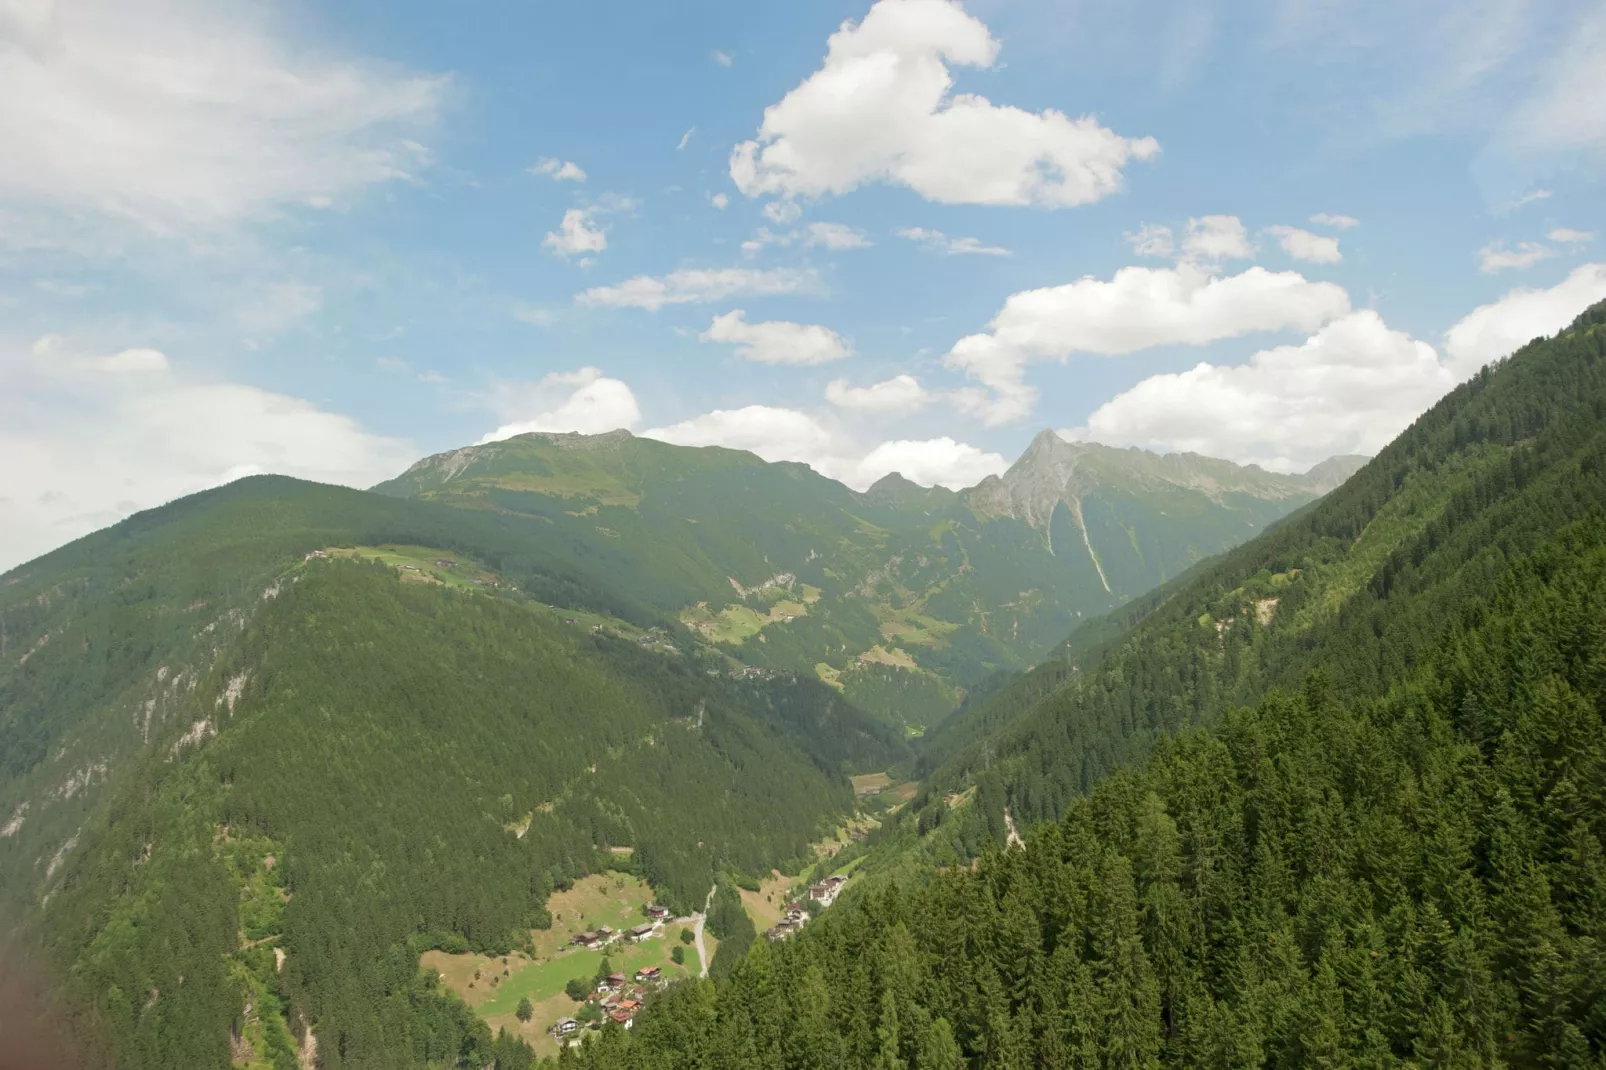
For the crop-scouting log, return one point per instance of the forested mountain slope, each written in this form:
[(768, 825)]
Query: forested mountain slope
[(1360, 585), (220, 746), (901, 596), (1399, 861)]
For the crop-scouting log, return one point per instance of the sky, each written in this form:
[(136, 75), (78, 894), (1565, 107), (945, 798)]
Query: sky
[(329, 239)]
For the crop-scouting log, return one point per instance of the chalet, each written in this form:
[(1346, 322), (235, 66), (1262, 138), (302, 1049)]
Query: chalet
[(796, 915), (820, 893), (587, 940), (606, 932), (624, 1018), (617, 980), (657, 913), (774, 934), (836, 882), (648, 973), (564, 1026), (445, 562), (641, 932)]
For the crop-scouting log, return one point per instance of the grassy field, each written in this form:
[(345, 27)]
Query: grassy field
[(610, 899), (879, 781), (737, 624), (418, 563)]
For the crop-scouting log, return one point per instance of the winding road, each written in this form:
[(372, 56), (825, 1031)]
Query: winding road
[(697, 931)]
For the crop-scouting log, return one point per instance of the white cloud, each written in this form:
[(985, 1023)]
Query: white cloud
[(90, 439), (720, 201), (584, 401), (685, 139), (764, 236), (1137, 309), (561, 170), (1569, 236), (937, 241), (777, 341), (698, 286), (882, 109), (1493, 331), (778, 434), (1337, 222), (898, 396), (1152, 239), (1349, 388), (836, 236), (930, 462), (1303, 245), (1566, 112), (179, 114), (576, 235), (1214, 238), (722, 58), (1526, 199), (1496, 256)]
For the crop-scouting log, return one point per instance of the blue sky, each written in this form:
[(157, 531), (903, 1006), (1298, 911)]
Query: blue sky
[(329, 239)]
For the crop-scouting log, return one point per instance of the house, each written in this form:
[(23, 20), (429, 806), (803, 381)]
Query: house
[(796, 915), (606, 932), (617, 980), (316, 554), (648, 973), (587, 940), (836, 882), (564, 1026), (641, 932), (820, 892), (774, 934), (657, 913), (624, 1018), (445, 562)]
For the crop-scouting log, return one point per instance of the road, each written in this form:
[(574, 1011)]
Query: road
[(702, 916)]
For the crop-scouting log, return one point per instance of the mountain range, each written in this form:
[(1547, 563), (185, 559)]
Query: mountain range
[(901, 596), (263, 747)]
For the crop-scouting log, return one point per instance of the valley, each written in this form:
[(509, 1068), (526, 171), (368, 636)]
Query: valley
[(1130, 756)]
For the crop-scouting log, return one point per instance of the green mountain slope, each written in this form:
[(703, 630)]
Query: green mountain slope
[(1336, 799), (1360, 585), (902, 596), (218, 748)]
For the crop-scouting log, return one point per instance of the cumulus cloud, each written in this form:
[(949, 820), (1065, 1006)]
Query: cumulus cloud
[(583, 401), (780, 434), (898, 396), (699, 286), (179, 114), (1136, 309), (835, 236), (882, 109), (92, 438), (777, 341), (576, 235), (1349, 388), (929, 462), (1214, 238), (1152, 239), (722, 58), (1303, 245), (1497, 256), (1337, 222), (565, 170), (937, 241), (720, 200), (1494, 330), (1569, 236)]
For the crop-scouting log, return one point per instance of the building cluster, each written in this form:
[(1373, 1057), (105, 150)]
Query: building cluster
[(603, 935), (618, 998), (796, 915)]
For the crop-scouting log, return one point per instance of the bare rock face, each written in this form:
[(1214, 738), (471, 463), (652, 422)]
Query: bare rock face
[(1054, 471)]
